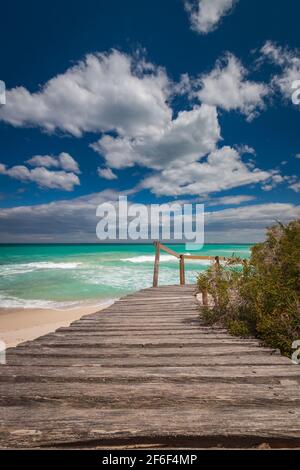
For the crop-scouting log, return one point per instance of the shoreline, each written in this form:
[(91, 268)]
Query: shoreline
[(18, 325)]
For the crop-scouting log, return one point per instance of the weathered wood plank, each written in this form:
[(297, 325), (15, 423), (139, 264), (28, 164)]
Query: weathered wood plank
[(98, 335), (133, 349), (162, 341), (135, 360), (137, 330), (51, 426), (147, 395), (146, 368), (182, 374)]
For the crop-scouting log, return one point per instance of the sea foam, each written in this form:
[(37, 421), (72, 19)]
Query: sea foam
[(163, 259), (22, 268)]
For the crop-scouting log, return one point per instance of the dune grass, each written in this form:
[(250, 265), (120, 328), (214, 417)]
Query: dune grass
[(260, 297)]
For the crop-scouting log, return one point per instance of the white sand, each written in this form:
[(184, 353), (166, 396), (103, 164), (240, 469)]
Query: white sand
[(22, 324)]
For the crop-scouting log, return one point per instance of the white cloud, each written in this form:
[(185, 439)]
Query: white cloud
[(206, 15), (101, 93), (63, 161), (230, 200), (71, 220), (187, 138), (222, 170), (42, 177), (228, 88), (247, 223), (115, 92), (46, 161), (289, 63), (245, 150), (75, 221), (275, 180), (107, 174), (295, 187)]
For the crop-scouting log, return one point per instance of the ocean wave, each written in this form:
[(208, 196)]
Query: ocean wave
[(10, 302), (163, 259), (148, 259), (15, 302), (22, 268)]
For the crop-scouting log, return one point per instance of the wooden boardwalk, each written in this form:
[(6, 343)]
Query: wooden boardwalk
[(146, 371)]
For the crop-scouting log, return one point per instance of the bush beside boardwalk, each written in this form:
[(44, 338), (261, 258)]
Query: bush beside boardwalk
[(262, 298)]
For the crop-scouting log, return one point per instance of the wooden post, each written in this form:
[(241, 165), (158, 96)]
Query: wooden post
[(156, 264), (181, 270), (217, 261), (204, 297)]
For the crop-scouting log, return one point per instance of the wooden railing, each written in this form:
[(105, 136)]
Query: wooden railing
[(181, 258)]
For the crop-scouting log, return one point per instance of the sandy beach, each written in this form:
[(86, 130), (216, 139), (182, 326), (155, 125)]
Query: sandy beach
[(24, 324)]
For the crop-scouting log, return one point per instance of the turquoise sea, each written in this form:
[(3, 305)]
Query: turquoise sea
[(58, 276)]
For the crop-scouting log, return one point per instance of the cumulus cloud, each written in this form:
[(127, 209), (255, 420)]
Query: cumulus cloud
[(107, 174), (205, 15), (127, 101), (43, 177), (227, 87), (63, 161), (288, 61), (190, 136), (101, 93), (222, 170)]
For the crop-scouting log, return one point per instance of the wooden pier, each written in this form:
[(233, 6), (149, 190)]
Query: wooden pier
[(182, 258), (147, 372)]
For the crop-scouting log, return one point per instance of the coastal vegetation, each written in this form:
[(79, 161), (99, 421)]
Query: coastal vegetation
[(259, 297)]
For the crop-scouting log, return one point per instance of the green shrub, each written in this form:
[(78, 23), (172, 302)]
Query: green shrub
[(239, 328), (260, 297), (210, 316)]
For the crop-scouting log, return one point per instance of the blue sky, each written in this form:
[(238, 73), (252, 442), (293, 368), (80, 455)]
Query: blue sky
[(163, 100)]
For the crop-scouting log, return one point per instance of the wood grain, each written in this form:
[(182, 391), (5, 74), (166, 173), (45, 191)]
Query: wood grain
[(147, 370)]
